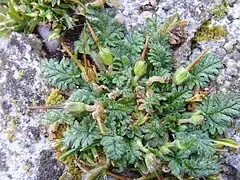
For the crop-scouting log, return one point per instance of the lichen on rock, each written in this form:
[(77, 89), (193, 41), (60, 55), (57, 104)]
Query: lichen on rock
[(22, 141), (207, 32)]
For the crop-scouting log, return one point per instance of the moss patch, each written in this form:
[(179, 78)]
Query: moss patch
[(54, 98), (207, 32)]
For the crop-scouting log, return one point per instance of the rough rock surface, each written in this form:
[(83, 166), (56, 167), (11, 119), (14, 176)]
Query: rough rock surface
[(24, 150), (22, 143)]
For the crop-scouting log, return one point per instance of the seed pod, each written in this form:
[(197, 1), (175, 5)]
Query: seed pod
[(140, 68), (164, 149), (197, 119), (125, 60), (105, 56), (74, 107), (182, 128), (181, 76)]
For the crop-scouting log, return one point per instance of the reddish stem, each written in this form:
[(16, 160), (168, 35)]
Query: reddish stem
[(94, 35), (196, 61), (46, 107), (116, 176), (144, 52)]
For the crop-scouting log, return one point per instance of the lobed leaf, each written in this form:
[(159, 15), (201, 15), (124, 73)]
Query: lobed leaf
[(114, 147), (58, 116), (81, 134), (206, 70), (63, 75), (219, 111)]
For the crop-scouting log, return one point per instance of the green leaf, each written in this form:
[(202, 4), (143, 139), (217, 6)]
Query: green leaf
[(13, 13), (68, 153), (133, 153), (197, 142), (131, 46), (108, 31), (58, 116), (63, 75), (206, 70), (226, 142), (160, 57), (134, 42), (82, 95), (96, 173), (81, 134), (175, 167), (114, 147), (199, 166), (176, 99), (153, 134), (219, 111)]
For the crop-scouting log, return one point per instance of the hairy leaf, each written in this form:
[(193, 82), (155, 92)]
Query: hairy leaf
[(176, 99), (199, 166), (58, 116), (63, 75), (133, 152), (81, 134), (197, 142), (160, 57), (219, 111), (206, 70), (154, 134), (82, 95), (114, 147)]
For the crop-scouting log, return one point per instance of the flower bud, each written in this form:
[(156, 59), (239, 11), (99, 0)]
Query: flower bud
[(75, 107), (181, 76), (140, 68), (125, 60), (197, 119), (165, 150), (105, 56), (182, 128)]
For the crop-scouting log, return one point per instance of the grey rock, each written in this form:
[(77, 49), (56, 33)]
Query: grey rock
[(21, 85), (119, 18), (153, 2), (51, 45), (218, 2), (233, 161), (229, 46), (3, 165), (49, 167), (231, 2)]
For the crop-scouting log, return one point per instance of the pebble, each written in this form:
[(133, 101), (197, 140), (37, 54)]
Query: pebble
[(218, 2), (145, 15), (120, 18), (229, 46), (153, 3), (53, 44)]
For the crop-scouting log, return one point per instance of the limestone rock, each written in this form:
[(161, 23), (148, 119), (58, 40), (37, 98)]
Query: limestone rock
[(22, 142)]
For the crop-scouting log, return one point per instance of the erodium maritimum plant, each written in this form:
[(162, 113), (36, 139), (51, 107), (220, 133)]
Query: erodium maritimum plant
[(131, 114)]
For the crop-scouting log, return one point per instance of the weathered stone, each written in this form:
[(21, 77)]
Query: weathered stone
[(229, 46), (153, 2), (49, 167), (52, 45), (21, 85), (119, 18)]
